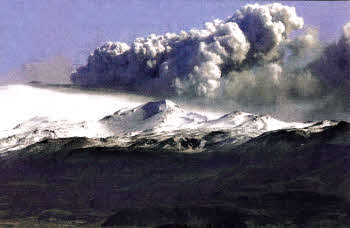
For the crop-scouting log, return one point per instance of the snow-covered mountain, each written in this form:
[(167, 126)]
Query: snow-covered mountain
[(245, 157), (39, 128), (154, 124), (163, 115)]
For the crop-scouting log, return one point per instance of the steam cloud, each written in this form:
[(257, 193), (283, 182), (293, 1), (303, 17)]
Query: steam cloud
[(250, 57)]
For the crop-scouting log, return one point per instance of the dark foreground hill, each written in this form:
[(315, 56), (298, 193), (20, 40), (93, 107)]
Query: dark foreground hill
[(280, 178)]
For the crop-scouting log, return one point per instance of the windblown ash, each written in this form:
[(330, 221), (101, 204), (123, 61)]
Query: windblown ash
[(240, 58), (333, 65), (54, 70)]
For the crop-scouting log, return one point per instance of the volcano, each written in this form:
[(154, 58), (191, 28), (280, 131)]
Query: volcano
[(155, 164)]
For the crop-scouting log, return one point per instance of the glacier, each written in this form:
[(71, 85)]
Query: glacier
[(155, 124)]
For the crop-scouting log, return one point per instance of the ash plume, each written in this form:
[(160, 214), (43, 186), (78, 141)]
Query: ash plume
[(248, 59), (333, 65), (197, 62)]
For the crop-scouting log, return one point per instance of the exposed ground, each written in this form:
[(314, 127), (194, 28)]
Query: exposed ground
[(278, 179)]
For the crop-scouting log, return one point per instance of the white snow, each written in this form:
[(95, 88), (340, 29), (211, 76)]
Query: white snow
[(29, 115), (19, 103), (163, 115), (166, 116), (251, 121)]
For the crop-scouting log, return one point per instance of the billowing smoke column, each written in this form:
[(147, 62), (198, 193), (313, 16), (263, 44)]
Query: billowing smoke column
[(266, 27), (239, 56)]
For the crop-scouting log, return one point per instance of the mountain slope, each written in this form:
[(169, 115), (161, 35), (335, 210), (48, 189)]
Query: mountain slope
[(287, 176), (158, 125), (126, 169), (163, 115)]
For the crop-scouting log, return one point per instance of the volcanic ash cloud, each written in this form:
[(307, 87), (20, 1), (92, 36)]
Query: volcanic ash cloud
[(216, 61), (333, 65)]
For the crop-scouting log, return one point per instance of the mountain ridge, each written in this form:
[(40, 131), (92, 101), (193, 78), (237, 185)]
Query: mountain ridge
[(283, 177), (162, 119)]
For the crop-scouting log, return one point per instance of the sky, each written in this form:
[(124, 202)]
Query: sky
[(34, 30)]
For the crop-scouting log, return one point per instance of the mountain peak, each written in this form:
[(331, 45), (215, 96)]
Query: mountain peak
[(154, 114), (152, 108)]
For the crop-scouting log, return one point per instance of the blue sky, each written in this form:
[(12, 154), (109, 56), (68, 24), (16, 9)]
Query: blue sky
[(32, 30)]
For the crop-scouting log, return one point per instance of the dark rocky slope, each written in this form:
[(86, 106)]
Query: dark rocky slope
[(281, 177)]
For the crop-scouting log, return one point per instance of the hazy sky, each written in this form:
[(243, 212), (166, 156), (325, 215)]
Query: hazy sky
[(33, 30)]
